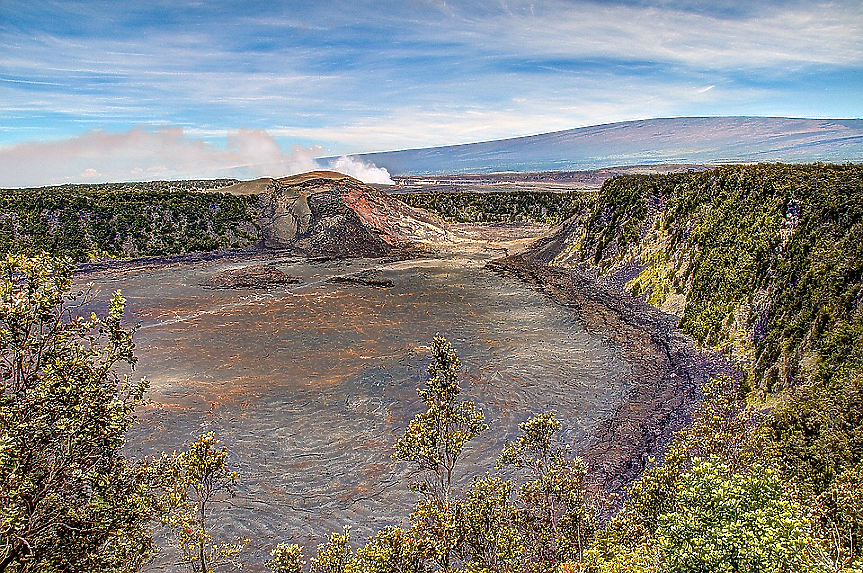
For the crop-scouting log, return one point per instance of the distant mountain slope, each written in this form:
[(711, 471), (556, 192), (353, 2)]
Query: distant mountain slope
[(672, 140)]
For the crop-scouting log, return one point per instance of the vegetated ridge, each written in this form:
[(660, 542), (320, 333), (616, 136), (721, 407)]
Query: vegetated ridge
[(314, 214), (545, 207), (94, 222), (320, 213), (766, 263), (649, 141)]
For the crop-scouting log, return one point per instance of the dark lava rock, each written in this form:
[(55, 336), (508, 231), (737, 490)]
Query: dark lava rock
[(255, 276), (334, 229), (363, 279)]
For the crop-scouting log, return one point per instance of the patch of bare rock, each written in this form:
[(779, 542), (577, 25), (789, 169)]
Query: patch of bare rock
[(364, 278), (251, 277), (327, 214)]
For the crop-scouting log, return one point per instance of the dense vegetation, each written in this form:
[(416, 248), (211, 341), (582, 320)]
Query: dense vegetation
[(768, 259), (70, 500), (545, 207), (92, 222), (766, 262), (67, 491)]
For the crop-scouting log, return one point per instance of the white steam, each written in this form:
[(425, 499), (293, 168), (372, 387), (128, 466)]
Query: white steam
[(162, 154), (359, 169)]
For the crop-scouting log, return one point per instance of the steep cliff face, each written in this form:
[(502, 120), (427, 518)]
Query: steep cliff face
[(324, 213), (763, 261)]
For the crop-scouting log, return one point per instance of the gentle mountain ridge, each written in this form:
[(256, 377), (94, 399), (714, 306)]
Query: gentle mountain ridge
[(652, 141)]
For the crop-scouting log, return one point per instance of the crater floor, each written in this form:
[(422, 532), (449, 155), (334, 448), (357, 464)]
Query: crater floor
[(309, 385)]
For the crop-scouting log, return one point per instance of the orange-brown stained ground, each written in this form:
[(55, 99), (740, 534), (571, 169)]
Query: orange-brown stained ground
[(309, 385)]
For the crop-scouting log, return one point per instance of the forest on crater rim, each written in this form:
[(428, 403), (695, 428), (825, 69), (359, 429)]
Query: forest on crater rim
[(763, 261), (766, 263)]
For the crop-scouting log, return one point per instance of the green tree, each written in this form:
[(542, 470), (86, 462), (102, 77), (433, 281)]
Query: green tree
[(434, 441), (392, 550), (286, 558), (69, 499), (490, 539), (726, 522), (195, 480), (333, 556), (555, 519)]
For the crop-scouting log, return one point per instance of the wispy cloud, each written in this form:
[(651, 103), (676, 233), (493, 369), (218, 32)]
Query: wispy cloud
[(786, 37), (361, 76)]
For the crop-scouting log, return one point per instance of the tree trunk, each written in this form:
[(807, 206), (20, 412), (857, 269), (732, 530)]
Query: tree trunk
[(12, 556), (203, 558)]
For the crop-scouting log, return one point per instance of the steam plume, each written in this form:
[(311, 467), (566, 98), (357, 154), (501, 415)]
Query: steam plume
[(359, 169)]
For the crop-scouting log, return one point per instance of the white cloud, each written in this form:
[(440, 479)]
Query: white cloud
[(791, 37), (141, 155)]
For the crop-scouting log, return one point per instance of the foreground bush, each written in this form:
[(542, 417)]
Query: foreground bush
[(70, 500)]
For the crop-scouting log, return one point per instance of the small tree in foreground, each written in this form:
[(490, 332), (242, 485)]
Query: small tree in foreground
[(392, 550), (554, 518), (195, 480), (490, 540), (69, 500), (434, 441), (286, 558), (333, 556)]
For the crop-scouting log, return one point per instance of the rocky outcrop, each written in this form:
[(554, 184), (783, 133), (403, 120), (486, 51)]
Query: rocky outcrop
[(324, 213), (255, 276)]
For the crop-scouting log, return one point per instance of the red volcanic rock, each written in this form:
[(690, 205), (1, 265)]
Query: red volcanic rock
[(325, 213)]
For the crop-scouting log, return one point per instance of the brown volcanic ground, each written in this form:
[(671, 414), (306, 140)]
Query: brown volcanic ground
[(309, 385)]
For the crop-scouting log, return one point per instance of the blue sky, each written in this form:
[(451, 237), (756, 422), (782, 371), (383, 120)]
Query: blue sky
[(354, 76)]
